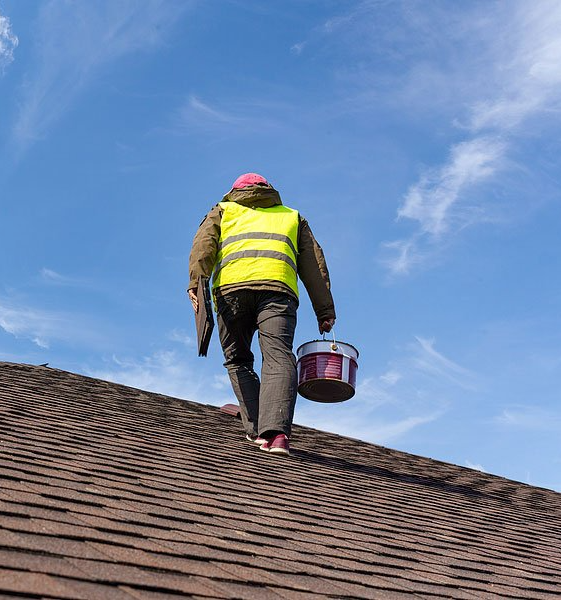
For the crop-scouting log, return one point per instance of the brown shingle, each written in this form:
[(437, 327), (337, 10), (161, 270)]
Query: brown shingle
[(111, 492), (37, 563), (37, 584)]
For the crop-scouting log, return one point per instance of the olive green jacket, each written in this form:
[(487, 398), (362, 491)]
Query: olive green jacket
[(312, 268)]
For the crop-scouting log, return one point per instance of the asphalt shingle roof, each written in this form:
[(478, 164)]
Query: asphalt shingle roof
[(108, 492)]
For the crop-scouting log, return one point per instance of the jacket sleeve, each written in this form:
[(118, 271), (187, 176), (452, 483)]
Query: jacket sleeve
[(312, 270), (205, 247)]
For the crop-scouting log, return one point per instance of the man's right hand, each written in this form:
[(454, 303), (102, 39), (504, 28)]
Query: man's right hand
[(193, 297), (326, 325)]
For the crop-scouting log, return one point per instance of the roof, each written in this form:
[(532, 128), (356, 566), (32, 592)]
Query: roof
[(108, 492)]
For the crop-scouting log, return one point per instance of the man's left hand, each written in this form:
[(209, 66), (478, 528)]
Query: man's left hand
[(326, 325)]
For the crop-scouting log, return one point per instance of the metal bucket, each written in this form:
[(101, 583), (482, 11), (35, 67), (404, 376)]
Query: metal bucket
[(327, 370)]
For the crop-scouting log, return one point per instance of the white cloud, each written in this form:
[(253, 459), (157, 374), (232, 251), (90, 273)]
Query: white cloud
[(73, 41), (519, 80), (402, 255), (197, 105), (164, 372), (221, 382), (243, 116), (8, 42), (475, 467), (372, 394), (35, 325), (181, 337), (196, 114), (529, 76), (43, 327), (530, 418), (51, 277), (440, 201), (390, 378), (385, 432), (298, 48), (431, 201), (414, 390), (357, 420), (433, 363)]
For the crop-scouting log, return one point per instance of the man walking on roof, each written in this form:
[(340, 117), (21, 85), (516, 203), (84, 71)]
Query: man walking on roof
[(255, 248)]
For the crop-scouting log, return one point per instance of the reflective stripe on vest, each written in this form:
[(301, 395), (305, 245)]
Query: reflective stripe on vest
[(257, 244)]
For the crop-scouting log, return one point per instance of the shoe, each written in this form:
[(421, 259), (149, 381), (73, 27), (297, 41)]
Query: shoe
[(277, 445), (256, 440)]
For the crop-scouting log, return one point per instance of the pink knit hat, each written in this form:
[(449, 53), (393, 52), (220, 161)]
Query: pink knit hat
[(248, 179)]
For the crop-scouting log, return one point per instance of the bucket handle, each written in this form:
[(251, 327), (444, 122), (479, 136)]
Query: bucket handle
[(334, 344)]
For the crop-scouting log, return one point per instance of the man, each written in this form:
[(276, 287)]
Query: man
[(256, 248)]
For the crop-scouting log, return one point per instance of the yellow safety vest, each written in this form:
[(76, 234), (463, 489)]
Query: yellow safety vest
[(257, 244)]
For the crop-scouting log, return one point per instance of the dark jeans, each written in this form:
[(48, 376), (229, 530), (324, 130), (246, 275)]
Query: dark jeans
[(267, 405)]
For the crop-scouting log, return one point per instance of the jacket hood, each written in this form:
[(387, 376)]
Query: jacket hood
[(254, 195), (249, 179)]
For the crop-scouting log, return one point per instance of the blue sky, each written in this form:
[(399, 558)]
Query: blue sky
[(421, 141)]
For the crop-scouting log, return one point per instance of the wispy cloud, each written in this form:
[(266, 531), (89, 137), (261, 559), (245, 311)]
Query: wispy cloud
[(416, 389), (475, 466), (196, 105), (164, 372), (433, 199), (391, 377), (529, 76), (298, 48), (73, 41), (8, 43), (196, 115), (435, 364), (376, 414), (221, 382), (522, 81), (243, 116), (54, 278), (43, 327), (379, 430), (373, 393), (400, 256), (181, 337), (530, 418), (386, 432), (32, 324)]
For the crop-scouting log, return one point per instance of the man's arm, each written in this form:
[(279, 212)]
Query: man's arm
[(312, 270), (203, 251)]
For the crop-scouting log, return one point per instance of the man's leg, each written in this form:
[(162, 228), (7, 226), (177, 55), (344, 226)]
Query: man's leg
[(276, 321), (236, 326)]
